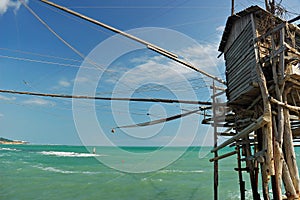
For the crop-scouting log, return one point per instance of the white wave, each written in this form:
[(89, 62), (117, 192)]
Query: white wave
[(236, 195), (9, 149), (152, 180), (68, 154), (180, 171), (56, 170)]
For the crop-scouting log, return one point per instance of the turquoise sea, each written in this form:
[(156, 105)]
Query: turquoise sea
[(72, 172)]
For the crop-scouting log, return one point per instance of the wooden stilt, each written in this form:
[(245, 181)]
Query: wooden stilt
[(241, 181), (267, 167), (278, 123), (216, 166), (289, 151), (288, 183), (251, 170)]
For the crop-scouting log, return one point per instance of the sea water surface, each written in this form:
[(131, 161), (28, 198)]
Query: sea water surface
[(72, 172)]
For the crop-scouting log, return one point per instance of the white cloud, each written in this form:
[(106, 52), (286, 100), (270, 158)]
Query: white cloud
[(39, 102), (202, 56), (64, 83), (1, 115), (4, 98), (220, 28), (6, 4), (82, 79)]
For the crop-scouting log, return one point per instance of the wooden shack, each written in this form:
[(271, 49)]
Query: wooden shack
[(242, 31), (262, 54)]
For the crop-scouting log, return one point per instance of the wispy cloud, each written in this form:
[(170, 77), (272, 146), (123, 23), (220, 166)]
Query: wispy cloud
[(6, 4), (162, 70), (39, 102), (82, 79), (4, 98), (220, 28), (64, 83), (203, 56)]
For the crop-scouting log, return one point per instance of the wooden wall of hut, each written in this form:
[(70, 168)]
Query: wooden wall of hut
[(240, 67)]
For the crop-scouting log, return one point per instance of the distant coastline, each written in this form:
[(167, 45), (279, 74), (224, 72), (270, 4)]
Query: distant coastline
[(8, 141)]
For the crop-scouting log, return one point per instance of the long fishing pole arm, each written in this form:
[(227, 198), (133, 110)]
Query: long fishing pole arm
[(149, 45)]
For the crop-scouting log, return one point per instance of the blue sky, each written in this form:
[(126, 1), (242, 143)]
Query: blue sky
[(33, 59)]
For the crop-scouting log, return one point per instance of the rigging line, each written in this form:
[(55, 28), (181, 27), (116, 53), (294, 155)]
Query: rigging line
[(38, 54), (99, 30), (73, 19), (76, 20), (105, 98), (159, 14), (147, 7), (58, 36), (158, 121), (195, 22), (66, 43), (43, 23), (107, 27), (149, 45), (47, 62), (39, 61)]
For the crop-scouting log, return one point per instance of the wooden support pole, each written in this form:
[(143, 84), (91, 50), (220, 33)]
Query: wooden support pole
[(278, 123), (267, 168), (285, 105), (242, 183), (278, 162), (250, 166), (216, 165), (222, 156), (232, 7), (267, 5), (290, 191), (264, 168), (267, 129), (290, 153)]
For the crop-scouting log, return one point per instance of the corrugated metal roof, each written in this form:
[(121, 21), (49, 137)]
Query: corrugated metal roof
[(232, 19)]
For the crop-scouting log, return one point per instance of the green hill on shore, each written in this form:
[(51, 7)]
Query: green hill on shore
[(8, 141)]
